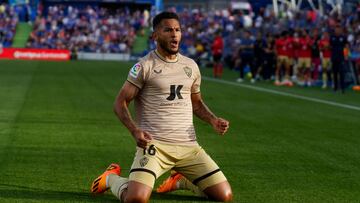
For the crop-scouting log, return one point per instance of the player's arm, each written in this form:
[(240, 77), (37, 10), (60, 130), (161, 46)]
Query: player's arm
[(203, 112), (121, 108)]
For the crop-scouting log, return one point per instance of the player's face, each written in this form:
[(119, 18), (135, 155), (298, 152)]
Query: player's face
[(168, 36)]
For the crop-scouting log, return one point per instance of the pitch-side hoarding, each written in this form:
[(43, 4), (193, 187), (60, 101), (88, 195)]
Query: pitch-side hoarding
[(35, 54)]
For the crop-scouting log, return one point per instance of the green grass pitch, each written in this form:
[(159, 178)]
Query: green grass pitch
[(58, 132)]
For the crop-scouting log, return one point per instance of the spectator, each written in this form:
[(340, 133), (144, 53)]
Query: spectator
[(217, 52), (338, 43), (259, 46), (91, 29), (269, 57), (8, 22), (246, 55)]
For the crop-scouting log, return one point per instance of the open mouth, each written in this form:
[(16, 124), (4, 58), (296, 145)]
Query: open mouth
[(174, 43)]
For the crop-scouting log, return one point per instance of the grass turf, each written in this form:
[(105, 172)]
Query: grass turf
[(23, 31), (58, 132)]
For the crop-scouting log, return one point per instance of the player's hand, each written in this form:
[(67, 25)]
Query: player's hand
[(142, 138), (221, 125)]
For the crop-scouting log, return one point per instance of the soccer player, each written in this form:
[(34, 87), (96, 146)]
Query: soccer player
[(217, 49), (281, 57), (315, 54), (166, 88), (325, 53), (338, 43), (290, 43), (304, 62)]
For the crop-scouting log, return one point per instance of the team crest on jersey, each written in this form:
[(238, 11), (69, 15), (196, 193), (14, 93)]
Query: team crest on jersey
[(144, 161), (135, 70), (188, 71)]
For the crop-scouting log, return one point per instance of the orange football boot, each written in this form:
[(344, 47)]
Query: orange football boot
[(170, 183), (98, 186)]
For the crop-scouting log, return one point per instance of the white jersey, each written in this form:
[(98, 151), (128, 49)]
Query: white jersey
[(163, 105)]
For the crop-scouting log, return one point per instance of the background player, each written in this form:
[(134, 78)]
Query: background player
[(217, 49), (325, 53)]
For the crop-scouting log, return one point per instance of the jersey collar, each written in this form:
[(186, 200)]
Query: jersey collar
[(166, 60)]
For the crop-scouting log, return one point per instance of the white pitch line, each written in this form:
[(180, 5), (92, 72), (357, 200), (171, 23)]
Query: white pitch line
[(261, 89)]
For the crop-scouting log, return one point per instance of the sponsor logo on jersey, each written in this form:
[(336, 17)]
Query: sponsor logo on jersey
[(158, 71), (135, 70), (188, 71)]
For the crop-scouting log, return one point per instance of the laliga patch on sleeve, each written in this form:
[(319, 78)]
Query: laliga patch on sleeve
[(135, 70)]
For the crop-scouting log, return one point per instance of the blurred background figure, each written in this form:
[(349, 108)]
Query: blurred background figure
[(246, 51), (217, 52), (219, 34), (338, 43), (325, 54), (281, 59)]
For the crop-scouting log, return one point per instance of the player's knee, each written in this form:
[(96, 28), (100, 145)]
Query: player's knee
[(221, 192), (137, 193), (226, 196), (136, 199)]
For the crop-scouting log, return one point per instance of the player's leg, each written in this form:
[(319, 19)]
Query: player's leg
[(122, 188), (243, 64), (279, 63), (294, 70), (335, 76), (253, 69), (215, 66), (135, 192), (301, 65), (220, 67), (307, 74), (148, 165), (200, 174), (342, 76), (315, 64), (286, 80), (101, 183), (325, 65), (220, 192)]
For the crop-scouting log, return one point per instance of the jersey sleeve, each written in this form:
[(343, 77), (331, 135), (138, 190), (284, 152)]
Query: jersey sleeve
[(136, 75), (195, 88)]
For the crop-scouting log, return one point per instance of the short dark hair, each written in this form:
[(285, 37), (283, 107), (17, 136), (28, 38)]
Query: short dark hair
[(164, 15)]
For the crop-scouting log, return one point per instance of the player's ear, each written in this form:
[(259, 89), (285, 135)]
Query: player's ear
[(154, 35), (151, 37)]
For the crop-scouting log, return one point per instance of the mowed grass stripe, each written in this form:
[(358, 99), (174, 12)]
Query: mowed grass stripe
[(261, 89), (278, 149), (14, 86), (294, 149)]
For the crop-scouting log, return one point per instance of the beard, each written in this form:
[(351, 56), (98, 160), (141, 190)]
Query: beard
[(164, 47)]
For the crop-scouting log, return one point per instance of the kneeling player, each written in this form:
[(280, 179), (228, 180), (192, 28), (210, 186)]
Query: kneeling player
[(166, 88)]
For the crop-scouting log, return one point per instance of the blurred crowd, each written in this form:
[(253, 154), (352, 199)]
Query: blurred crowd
[(8, 22), (288, 48), (255, 49), (88, 29)]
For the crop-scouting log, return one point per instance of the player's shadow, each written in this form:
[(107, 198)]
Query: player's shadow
[(16, 192), (13, 192), (177, 197)]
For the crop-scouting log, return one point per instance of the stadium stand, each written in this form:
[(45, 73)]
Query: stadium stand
[(201, 27), (119, 29), (88, 29), (8, 22)]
